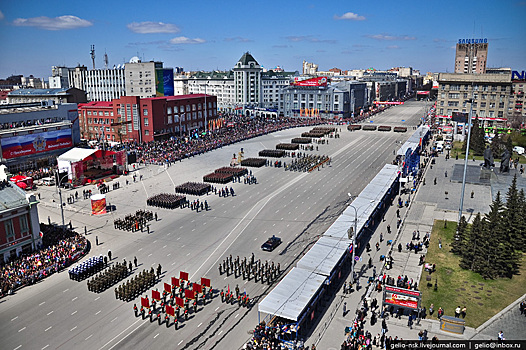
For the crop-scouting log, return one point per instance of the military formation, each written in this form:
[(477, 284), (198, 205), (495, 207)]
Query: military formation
[(242, 299), (134, 222), (138, 284), (166, 200), (193, 188), (108, 278), (288, 146), (307, 162), (87, 268), (254, 162), (250, 269), (274, 153)]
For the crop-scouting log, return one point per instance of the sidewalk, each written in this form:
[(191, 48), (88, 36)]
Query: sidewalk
[(429, 204)]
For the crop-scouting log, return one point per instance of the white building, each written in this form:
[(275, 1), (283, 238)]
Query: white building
[(104, 84)]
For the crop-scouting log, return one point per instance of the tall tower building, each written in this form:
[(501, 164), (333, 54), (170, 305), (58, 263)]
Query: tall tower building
[(471, 56), (247, 81)]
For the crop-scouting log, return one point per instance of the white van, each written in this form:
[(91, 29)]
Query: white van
[(48, 181), (519, 150)]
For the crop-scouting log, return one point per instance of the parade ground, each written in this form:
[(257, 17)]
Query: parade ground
[(60, 313)]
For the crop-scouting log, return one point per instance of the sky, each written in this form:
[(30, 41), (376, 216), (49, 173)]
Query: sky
[(213, 35)]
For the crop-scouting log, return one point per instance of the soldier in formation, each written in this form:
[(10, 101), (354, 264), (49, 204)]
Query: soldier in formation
[(108, 278), (250, 269), (134, 222), (166, 200), (135, 286)]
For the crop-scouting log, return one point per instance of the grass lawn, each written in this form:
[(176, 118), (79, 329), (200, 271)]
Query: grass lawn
[(482, 298)]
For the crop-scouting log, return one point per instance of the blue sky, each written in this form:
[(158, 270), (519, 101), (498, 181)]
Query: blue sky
[(206, 35)]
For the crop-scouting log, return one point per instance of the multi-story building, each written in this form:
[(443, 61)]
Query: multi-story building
[(247, 81), (104, 84), (490, 94), (148, 79), (59, 78), (49, 96), (33, 136), (471, 56), (516, 112), (131, 118), (19, 225), (309, 68), (217, 83)]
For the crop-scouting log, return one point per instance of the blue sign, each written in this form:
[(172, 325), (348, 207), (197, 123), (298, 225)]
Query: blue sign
[(168, 82), (473, 41), (515, 75)]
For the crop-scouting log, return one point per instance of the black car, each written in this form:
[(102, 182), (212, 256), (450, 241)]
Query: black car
[(271, 243)]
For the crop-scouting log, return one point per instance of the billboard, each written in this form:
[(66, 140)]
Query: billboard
[(159, 82), (168, 81), (388, 103), (23, 145), (401, 297), (319, 81)]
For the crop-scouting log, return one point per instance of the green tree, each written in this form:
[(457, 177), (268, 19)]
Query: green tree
[(512, 216), (522, 220), (471, 249), (460, 237), (492, 234), (509, 145), (477, 142), (497, 146)]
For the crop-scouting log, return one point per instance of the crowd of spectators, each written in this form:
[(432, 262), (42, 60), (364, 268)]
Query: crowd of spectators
[(59, 249), (26, 123), (238, 128), (39, 173)]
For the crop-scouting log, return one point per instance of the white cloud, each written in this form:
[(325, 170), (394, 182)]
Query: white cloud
[(56, 23), (152, 27), (349, 16), (185, 40), (238, 39), (390, 37), (1, 16)]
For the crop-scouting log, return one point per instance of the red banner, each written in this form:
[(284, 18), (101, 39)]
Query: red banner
[(145, 302), (189, 294), (205, 282), (167, 288), (98, 204), (401, 300), (156, 295), (175, 282), (183, 276), (402, 290), (17, 146), (198, 288), (319, 81), (179, 301), (170, 310), (387, 103)]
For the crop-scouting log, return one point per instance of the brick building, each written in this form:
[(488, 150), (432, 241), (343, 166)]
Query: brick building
[(19, 225), (131, 118)]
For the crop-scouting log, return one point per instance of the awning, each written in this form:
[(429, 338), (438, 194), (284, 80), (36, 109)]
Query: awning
[(324, 256), (76, 154), (292, 295)]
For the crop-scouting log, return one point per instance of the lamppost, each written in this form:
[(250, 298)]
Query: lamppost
[(466, 159), (60, 197), (353, 238)]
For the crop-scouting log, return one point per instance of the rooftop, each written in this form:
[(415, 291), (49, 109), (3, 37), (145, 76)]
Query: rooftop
[(178, 97), (39, 92), (11, 196), (247, 58), (97, 104)]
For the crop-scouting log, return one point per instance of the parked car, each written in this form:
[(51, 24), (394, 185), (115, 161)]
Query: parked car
[(519, 150), (271, 243)]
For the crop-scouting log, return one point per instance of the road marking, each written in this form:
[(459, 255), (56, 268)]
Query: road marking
[(169, 254), (74, 312), (155, 241), (18, 347), (181, 227), (91, 335), (97, 298), (118, 335), (178, 238), (224, 278), (49, 313), (20, 330), (72, 329), (48, 328), (199, 325), (140, 249), (113, 319), (187, 254), (75, 298), (64, 291), (45, 347), (169, 233), (183, 245), (193, 229), (219, 333), (236, 316), (255, 239), (98, 312), (246, 282), (42, 303), (150, 254), (173, 263), (216, 308), (179, 342), (155, 336), (164, 246), (14, 318)]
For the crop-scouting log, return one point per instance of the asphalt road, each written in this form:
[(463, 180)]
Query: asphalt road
[(59, 313)]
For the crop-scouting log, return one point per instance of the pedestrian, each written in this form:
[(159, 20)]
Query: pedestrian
[(457, 312), (96, 240), (440, 243), (109, 255), (472, 194), (135, 261), (431, 309), (344, 309), (148, 228), (156, 216), (463, 312), (345, 287), (500, 337), (85, 231), (159, 270)]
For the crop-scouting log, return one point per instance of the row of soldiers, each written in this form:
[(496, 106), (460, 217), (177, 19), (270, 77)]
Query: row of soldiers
[(307, 162), (136, 285), (108, 278), (166, 200), (248, 269), (241, 299), (135, 222)]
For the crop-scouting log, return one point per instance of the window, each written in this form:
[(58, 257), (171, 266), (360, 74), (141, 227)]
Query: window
[(146, 132), (106, 113), (176, 109), (169, 119), (23, 224), (193, 107), (454, 87), (198, 106), (146, 122), (454, 95), (188, 108), (145, 111), (169, 110), (9, 229), (89, 112)]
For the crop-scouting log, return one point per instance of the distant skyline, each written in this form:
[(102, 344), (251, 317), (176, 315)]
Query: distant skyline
[(210, 35)]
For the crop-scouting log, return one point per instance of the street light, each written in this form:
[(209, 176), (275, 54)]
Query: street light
[(60, 197), (470, 101)]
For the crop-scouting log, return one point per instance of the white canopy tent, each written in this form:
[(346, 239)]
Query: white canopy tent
[(292, 295), (323, 257)]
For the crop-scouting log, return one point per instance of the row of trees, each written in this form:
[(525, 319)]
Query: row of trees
[(493, 245)]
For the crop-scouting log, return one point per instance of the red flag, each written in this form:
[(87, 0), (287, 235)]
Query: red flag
[(170, 310), (228, 289), (205, 282), (145, 302), (156, 295), (167, 287)]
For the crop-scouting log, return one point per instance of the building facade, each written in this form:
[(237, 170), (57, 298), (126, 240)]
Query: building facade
[(471, 56), (104, 84), (49, 96), (131, 118), (19, 225), (490, 94)]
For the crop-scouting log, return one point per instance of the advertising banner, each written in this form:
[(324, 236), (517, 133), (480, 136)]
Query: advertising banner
[(159, 82), (145, 302), (98, 204), (23, 145), (401, 297), (179, 302), (319, 81), (168, 81), (197, 288), (189, 294), (388, 103)]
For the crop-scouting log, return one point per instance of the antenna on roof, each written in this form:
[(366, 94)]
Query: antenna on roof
[(92, 53)]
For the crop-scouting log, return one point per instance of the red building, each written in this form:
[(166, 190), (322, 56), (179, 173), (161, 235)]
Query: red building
[(131, 118), (19, 225)]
